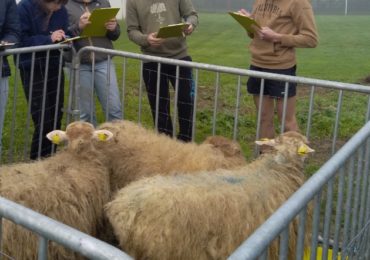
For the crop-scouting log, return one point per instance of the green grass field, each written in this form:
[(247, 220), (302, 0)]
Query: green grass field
[(342, 55)]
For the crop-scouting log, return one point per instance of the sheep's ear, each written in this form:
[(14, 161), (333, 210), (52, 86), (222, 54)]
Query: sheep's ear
[(265, 141), (304, 149), (102, 135), (57, 136)]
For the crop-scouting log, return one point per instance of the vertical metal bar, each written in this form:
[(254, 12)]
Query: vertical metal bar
[(284, 107), (301, 233), (237, 107), (315, 225), (141, 92), (356, 201), (70, 105), (43, 248), (195, 80), (348, 209), (124, 73), (174, 124), (327, 218), (338, 213), (364, 185), (336, 124), (216, 103), (92, 101), (259, 115), (109, 85), (15, 94), (58, 95), (76, 65), (310, 112), (26, 134), (368, 110), (283, 246), (42, 121), (157, 96)]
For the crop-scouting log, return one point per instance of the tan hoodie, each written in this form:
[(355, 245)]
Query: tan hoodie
[(294, 19)]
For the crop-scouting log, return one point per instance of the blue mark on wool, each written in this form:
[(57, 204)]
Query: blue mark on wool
[(232, 179)]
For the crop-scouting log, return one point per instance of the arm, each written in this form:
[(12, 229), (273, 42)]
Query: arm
[(11, 29), (304, 19), (29, 37), (133, 26), (113, 29), (189, 14)]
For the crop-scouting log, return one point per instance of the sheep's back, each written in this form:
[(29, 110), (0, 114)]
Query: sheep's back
[(209, 215), (63, 188)]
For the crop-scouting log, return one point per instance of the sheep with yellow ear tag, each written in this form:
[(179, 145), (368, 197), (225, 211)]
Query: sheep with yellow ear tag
[(71, 186), (207, 215)]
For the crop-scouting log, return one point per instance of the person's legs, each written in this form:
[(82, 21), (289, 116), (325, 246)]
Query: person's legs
[(290, 117), (111, 104), (185, 102), (4, 90), (150, 79), (267, 128), (86, 93), (34, 95)]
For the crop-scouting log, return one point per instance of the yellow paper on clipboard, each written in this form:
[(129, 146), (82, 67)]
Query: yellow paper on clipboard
[(172, 30), (97, 19)]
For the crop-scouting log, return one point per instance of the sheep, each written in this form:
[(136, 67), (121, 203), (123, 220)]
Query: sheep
[(72, 187), (139, 152), (209, 214)]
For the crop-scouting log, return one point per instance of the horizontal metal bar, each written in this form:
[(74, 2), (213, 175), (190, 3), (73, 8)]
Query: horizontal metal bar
[(265, 234), (53, 230)]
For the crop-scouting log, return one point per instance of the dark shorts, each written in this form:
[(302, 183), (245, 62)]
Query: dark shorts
[(272, 88)]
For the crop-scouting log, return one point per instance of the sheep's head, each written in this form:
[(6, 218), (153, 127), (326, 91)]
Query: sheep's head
[(290, 145), (228, 147), (79, 136)]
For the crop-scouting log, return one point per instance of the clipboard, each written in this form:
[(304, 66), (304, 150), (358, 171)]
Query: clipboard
[(246, 22), (6, 45), (98, 18), (67, 40), (172, 30)]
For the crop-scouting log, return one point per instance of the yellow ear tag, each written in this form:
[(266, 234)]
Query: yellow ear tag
[(102, 136), (55, 139), (302, 150)]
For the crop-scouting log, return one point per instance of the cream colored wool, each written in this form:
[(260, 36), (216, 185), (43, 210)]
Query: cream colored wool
[(208, 215), (71, 187), (139, 152)]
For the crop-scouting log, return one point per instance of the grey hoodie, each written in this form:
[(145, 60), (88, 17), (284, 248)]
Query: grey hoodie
[(75, 9), (144, 17)]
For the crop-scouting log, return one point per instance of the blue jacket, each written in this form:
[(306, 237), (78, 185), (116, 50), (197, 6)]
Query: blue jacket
[(9, 28), (34, 31)]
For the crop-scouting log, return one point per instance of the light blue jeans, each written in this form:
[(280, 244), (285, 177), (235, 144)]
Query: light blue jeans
[(4, 90), (106, 91)]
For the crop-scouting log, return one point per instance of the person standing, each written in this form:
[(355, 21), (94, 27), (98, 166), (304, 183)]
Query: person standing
[(43, 22), (285, 25), (95, 65), (143, 19), (9, 33)]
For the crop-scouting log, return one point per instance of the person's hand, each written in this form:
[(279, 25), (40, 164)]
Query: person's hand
[(189, 29), (153, 40), (244, 12), (84, 20), (265, 33), (111, 24), (57, 36)]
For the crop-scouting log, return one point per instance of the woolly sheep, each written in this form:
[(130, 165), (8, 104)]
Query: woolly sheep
[(208, 215), (71, 187), (139, 152)]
